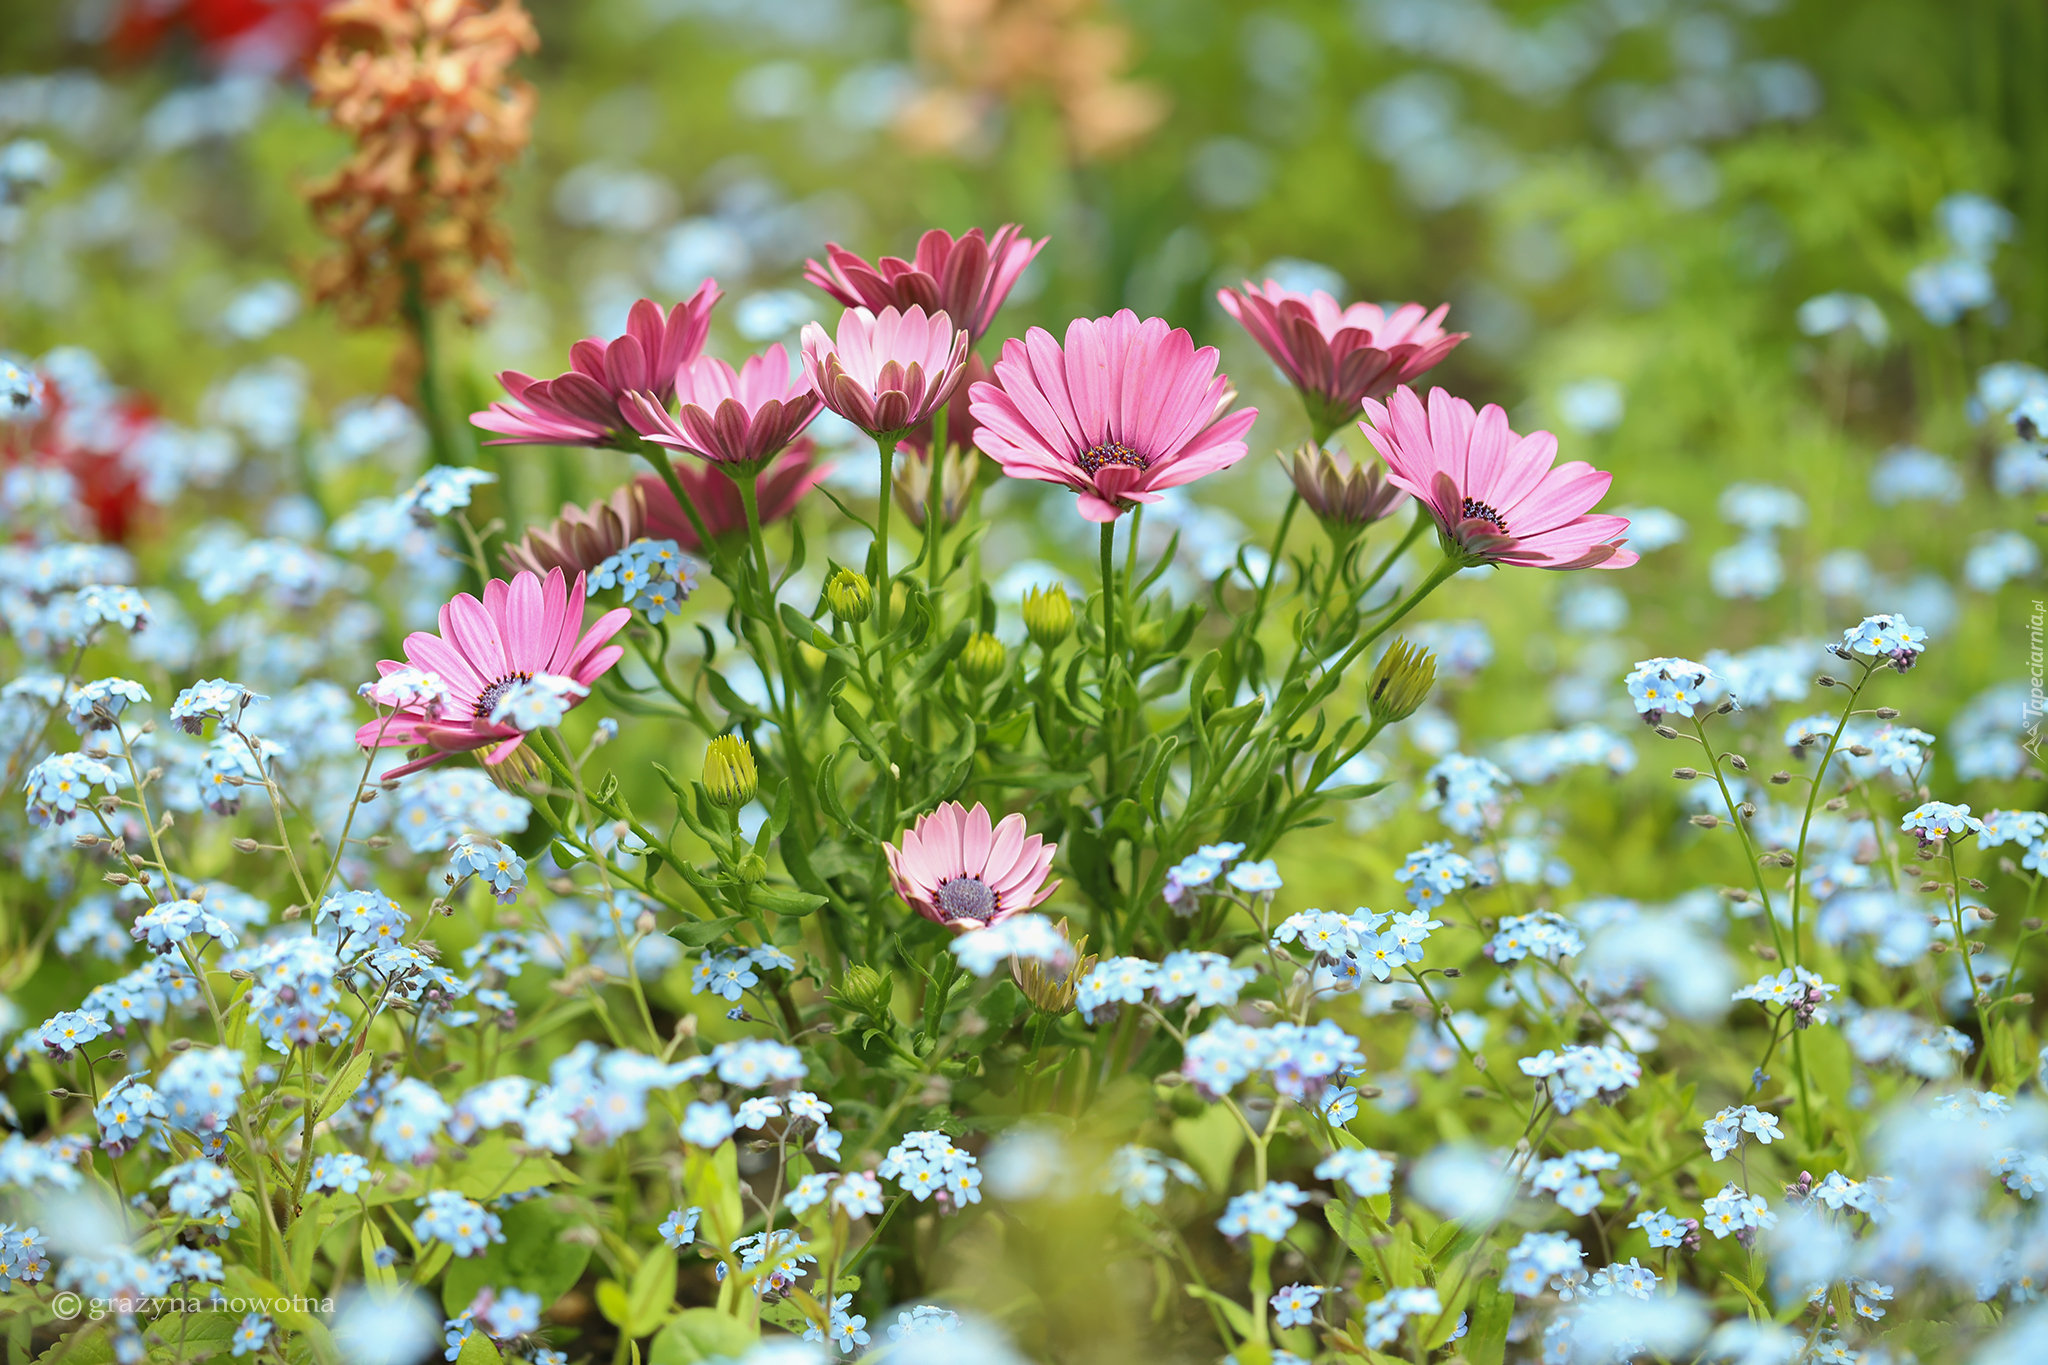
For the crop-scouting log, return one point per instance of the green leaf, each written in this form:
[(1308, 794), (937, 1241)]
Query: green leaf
[(1493, 1311), (478, 1349), (782, 900), (704, 932), (698, 1334), (1234, 1313), (653, 1293), (342, 1087), (612, 1302), (535, 1256), (372, 1240), (203, 1334), (1211, 1142), (711, 1181), (494, 1168)]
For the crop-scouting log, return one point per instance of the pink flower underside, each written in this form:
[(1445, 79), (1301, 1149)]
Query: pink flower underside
[(968, 277), (737, 418), (527, 626), (1341, 351), (1142, 385), (1448, 453), (571, 409), (581, 406), (954, 842)]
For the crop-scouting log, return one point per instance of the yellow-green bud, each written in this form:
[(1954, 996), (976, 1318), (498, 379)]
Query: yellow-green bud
[(981, 662), (1401, 683), (729, 772), (866, 990), (849, 596), (1048, 615)]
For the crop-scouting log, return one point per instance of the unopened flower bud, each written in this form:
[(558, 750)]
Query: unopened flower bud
[(1685, 774), (1738, 762), (1048, 615), (1401, 683), (1780, 778), (1706, 821), (729, 772), (1345, 498), (849, 596), (1887, 713), (866, 990), (982, 660)]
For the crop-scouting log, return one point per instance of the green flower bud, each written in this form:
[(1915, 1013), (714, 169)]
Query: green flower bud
[(866, 990), (729, 772), (1401, 683), (1048, 615), (981, 662), (849, 596)]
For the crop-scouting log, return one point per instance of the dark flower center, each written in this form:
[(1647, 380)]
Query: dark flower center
[(1111, 452), (966, 898), (1476, 510), (487, 700)]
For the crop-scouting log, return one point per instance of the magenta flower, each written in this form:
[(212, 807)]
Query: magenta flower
[(1125, 409), (1339, 356), (887, 371), (967, 278), (520, 630), (742, 419), (582, 407), (1495, 495), (957, 869)]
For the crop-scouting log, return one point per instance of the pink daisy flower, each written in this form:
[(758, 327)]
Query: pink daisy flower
[(967, 278), (739, 419), (582, 407), (1339, 356), (1496, 496), (957, 869), (520, 630), (886, 371), (1123, 410)]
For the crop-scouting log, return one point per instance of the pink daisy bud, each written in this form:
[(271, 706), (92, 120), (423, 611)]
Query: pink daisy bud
[(1496, 497), (1338, 356), (956, 869), (520, 631), (742, 419), (886, 371), (967, 278), (582, 407), (1123, 410)]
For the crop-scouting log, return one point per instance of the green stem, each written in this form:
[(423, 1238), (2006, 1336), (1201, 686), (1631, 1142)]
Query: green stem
[(658, 456), (885, 449), (1436, 579), (1108, 654)]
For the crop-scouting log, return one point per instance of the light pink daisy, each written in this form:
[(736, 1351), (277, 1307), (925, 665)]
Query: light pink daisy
[(520, 630), (582, 407), (1125, 409), (742, 419), (1339, 356), (1496, 497), (967, 277), (957, 869), (886, 371)]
